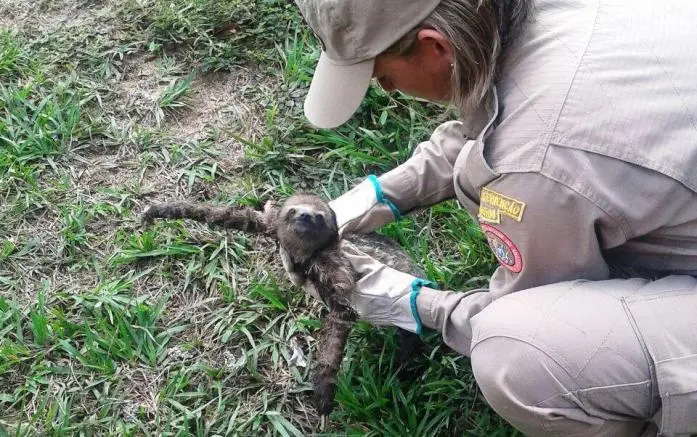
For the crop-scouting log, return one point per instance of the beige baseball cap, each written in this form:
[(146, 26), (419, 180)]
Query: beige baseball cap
[(353, 33)]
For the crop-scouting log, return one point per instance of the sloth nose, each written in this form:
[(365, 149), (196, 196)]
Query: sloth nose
[(305, 217)]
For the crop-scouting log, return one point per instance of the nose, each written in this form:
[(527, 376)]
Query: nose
[(304, 216)]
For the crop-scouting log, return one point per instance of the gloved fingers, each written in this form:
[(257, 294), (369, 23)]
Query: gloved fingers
[(384, 311), (385, 281), (361, 262), (374, 276), (354, 203), (350, 249), (370, 220), (371, 308)]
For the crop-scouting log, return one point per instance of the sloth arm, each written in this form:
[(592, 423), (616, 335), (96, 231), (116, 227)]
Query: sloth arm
[(231, 217)]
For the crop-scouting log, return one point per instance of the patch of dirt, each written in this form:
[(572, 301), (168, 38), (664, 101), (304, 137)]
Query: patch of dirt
[(12, 14), (15, 15), (37, 242), (99, 171), (139, 392), (49, 15), (137, 91), (224, 105), (39, 258), (220, 107)]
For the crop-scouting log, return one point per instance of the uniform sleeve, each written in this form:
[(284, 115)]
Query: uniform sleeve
[(427, 177), (541, 232)]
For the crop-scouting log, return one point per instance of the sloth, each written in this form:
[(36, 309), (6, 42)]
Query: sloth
[(306, 230)]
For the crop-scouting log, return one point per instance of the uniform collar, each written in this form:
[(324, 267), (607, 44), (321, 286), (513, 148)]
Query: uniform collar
[(478, 171), (471, 169)]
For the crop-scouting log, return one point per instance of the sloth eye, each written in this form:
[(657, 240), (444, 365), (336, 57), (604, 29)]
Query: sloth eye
[(291, 212)]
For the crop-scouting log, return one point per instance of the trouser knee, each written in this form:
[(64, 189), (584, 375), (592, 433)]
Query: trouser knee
[(554, 361), (496, 367)]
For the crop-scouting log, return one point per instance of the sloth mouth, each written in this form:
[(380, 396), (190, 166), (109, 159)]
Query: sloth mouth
[(307, 227)]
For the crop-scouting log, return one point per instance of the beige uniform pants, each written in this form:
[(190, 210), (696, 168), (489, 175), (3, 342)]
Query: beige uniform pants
[(612, 358)]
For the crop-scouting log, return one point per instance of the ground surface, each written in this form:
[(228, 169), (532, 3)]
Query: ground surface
[(108, 328)]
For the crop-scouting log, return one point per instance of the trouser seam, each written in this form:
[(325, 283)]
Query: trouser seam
[(647, 355), (573, 393), (529, 343)]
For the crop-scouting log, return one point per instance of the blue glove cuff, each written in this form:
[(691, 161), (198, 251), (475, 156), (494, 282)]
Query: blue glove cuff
[(415, 290), (382, 199)]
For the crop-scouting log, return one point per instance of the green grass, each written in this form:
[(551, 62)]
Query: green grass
[(111, 328), (216, 34)]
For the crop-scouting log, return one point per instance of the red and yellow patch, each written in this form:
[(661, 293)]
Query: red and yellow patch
[(504, 249)]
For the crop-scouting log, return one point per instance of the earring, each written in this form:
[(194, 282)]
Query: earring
[(452, 65)]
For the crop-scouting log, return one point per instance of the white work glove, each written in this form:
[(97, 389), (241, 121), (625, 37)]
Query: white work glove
[(384, 296), (364, 208)]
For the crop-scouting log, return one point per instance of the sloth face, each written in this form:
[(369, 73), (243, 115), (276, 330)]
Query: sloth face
[(308, 221)]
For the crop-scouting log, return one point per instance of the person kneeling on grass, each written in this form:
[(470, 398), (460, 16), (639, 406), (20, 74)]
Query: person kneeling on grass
[(576, 152)]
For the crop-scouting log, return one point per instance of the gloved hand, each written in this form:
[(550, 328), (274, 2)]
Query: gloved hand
[(364, 208), (384, 296)]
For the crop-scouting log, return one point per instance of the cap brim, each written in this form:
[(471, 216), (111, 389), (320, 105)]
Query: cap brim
[(336, 92)]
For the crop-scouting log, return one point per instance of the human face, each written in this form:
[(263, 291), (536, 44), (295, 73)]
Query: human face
[(425, 72)]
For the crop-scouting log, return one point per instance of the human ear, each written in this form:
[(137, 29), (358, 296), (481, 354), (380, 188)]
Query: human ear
[(436, 43)]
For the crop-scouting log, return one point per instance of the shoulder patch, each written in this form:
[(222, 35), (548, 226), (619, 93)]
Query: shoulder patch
[(489, 215), (506, 252), (505, 205)]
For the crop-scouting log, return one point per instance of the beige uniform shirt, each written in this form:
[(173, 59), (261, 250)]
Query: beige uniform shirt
[(590, 158), (587, 165), (583, 164), (588, 161)]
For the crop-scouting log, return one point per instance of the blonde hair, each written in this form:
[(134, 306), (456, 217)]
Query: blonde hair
[(478, 30)]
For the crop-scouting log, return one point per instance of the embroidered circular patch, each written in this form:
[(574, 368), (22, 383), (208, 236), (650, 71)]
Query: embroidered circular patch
[(504, 249)]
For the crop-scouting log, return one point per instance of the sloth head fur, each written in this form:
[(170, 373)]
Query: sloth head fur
[(305, 225)]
